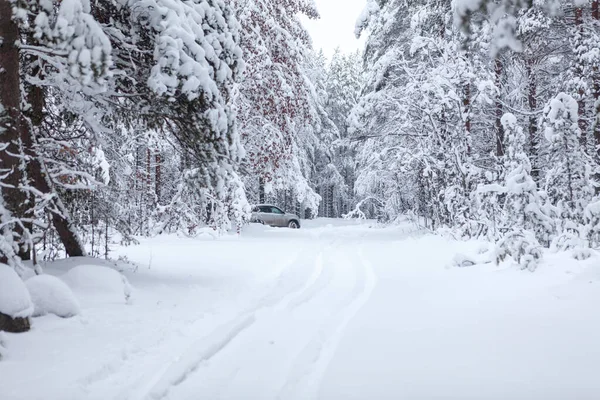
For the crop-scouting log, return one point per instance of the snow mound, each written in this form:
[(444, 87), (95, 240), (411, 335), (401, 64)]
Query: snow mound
[(462, 260), (94, 280), (480, 257), (14, 297), (50, 295)]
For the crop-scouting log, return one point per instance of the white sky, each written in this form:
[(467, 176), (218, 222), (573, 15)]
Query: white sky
[(336, 26)]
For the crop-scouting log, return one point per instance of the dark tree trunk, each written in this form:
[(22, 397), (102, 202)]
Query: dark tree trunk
[(583, 125), (42, 182), (13, 325), (11, 122), (467, 111), (148, 172), (158, 177), (498, 69), (533, 127), (596, 80), (261, 190)]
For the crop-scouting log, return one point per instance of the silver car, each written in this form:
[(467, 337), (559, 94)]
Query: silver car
[(274, 216)]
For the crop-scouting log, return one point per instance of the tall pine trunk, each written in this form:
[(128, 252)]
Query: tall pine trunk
[(498, 69), (596, 78), (261, 190), (532, 125), (579, 73), (158, 180), (12, 125)]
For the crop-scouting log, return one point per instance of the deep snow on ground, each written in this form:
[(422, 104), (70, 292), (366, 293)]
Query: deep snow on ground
[(335, 310)]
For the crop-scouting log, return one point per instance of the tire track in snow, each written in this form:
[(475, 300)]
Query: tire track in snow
[(256, 335), (162, 355), (310, 365), (203, 350), (318, 282), (177, 371)]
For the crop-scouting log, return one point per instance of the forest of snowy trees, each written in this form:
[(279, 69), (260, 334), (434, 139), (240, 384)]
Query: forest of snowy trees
[(142, 117), (482, 118), (125, 117)]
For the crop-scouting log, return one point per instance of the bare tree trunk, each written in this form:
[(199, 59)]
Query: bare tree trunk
[(596, 80), (467, 112), (498, 69), (330, 202), (533, 128), (11, 121), (42, 182), (261, 190), (157, 172), (583, 125), (148, 172)]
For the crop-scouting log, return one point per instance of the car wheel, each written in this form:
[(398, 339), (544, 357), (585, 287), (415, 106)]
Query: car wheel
[(293, 225)]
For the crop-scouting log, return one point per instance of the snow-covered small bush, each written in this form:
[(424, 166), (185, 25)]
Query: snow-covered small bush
[(50, 295), (462, 260), (568, 240), (573, 241), (581, 253), (97, 280), (522, 247), (14, 297), (591, 218)]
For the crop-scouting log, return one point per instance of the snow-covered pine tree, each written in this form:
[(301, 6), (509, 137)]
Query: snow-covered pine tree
[(379, 124), (568, 180), (344, 83), (274, 102), (178, 64), (523, 207)]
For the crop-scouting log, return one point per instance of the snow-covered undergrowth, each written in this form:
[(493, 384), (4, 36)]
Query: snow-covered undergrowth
[(50, 295), (336, 310), (14, 297), (98, 281)]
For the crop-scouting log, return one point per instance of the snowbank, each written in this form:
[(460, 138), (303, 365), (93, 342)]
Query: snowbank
[(14, 297), (50, 295), (94, 280)]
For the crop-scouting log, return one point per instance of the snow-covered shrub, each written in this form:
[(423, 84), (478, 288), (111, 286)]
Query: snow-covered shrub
[(581, 253), (591, 219), (573, 239), (522, 246), (50, 295), (568, 240), (462, 260), (94, 280), (488, 207), (14, 297)]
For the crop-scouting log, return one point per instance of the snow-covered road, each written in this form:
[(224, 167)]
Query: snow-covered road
[(336, 310)]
